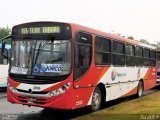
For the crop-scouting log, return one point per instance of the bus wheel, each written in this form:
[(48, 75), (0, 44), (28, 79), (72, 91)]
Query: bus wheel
[(140, 89), (96, 99)]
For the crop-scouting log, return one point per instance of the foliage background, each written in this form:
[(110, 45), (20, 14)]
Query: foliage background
[(5, 31)]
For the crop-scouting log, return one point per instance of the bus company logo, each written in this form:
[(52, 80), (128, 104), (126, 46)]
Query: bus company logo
[(44, 67), (47, 68), (113, 75), (36, 68), (40, 68)]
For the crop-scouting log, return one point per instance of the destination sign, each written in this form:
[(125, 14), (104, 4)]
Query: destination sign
[(40, 30)]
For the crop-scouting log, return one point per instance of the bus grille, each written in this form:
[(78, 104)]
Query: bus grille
[(25, 91), (25, 100)]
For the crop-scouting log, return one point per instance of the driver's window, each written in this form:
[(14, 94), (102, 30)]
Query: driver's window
[(83, 53)]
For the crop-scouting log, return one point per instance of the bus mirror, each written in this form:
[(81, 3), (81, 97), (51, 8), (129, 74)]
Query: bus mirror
[(3, 46), (4, 51)]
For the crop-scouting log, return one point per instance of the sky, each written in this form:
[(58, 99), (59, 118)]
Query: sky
[(137, 18)]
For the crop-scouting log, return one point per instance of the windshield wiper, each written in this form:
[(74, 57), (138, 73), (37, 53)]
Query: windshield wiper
[(40, 48)]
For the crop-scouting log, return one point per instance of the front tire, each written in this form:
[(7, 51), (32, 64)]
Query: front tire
[(96, 100), (140, 89)]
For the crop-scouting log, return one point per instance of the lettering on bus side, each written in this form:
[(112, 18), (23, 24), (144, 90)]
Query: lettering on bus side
[(139, 73)]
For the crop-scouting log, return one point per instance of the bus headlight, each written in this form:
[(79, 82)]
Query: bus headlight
[(11, 88), (60, 90)]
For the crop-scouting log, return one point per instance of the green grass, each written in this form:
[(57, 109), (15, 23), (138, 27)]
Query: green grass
[(145, 108)]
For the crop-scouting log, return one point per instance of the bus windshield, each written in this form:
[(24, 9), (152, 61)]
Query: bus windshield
[(41, 57)]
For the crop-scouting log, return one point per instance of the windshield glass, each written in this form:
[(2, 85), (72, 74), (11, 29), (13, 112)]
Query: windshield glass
[(41, 57)]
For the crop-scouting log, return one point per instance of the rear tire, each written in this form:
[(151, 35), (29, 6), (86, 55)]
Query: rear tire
[(140, 89), (96, 100)]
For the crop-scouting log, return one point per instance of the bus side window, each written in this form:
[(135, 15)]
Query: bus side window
[(130, 55), (139, 56), (83, 52), (153, 58), (146, 55), (102, 51), (118, 53)]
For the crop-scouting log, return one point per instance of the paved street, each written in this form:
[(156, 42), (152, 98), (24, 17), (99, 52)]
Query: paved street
[(14, 111), (6, 107), (10, 111)]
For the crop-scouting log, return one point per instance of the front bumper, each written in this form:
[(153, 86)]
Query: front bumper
[(63, 101)]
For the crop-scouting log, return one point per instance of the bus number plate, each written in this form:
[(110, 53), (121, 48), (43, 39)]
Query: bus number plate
[(31, 100)]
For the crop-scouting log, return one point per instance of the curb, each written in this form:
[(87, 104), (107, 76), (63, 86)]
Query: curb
[(3, 96)]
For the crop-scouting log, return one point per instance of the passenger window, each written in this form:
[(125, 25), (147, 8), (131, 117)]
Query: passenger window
[(118, 53), (153, 58), (83, 54), (118, 47), (130, 55), (146, 55), (139, 56), (102, 51), (153, 54)]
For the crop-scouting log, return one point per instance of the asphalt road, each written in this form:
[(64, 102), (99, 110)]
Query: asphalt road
[(10, 111)]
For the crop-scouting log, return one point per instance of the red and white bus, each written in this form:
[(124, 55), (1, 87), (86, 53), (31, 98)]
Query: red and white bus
[(69, 66), (158, 71)]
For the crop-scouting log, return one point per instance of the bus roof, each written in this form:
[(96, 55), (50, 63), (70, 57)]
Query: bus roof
[(111, 36), (77, 27)]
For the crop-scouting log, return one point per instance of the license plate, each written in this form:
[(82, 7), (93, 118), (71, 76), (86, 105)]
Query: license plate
[(31, 100)]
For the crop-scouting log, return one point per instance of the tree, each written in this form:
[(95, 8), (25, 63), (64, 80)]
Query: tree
[(4, 32), (144, 41), (158, 44), (131, 37)]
